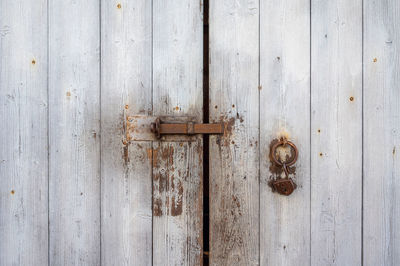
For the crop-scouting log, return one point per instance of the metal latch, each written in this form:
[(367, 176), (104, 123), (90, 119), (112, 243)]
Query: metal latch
[(189, 128)]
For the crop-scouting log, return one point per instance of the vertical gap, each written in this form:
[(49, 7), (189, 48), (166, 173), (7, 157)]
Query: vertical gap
[(101, 134), (206, 119), (310, 129), (259, 132), (152, 143), (48, 132), (362, 132)]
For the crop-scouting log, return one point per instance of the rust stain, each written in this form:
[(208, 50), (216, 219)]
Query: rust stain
[(394, 150), (94, 135), (228, 130), (68, 93), (149, 153), (128, 128), (177, 197), (155, 157), (233, 106), (177, 108), (33, 61), (216, 107), (126, 154), (236, 201), (12, 192), (273, 168), (119, 6), (375, 60), (159, 182), (351, 98), (320, 154), (157, 207), (167, 154), (126, 106), (160, 177), (319, 130), (259, 87)]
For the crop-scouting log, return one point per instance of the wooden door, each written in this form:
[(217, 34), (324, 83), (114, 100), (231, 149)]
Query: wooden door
[(84, 181)]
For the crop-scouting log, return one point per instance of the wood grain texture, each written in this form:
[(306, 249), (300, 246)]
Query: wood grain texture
[(74, 114), (23, 133), (126, 66), (234, 162), (336, 132), (381, 133), (177, 91), (177, 203), (285, 111)]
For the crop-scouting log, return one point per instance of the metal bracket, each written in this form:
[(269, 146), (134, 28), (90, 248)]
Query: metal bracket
[(189, 128)]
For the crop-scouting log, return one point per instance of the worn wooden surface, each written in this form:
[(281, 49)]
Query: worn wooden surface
[(234, 163), (381, 133), (74, 119), (336, 132), (285, 111), (126, 37), (80, 185), (177, 173), (23, 133)]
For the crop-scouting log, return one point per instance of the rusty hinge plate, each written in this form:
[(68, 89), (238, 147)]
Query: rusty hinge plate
[(171, 128)]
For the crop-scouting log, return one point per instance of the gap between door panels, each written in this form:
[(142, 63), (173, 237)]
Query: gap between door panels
[(206, 119)]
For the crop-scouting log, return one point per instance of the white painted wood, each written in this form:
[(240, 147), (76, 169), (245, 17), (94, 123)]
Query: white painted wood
[(177, 203), (234, 157), (130, 199), (285, 111), (381, 133), (23, 133), (126, 89), (336, 132), (177, 90), (74, 117)]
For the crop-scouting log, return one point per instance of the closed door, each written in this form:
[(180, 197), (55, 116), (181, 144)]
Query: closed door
[(148, 132)]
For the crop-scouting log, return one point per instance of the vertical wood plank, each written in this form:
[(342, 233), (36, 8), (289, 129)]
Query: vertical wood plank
[(23, 133), (234, 157), (381, 133), (336, 132), (126, 68), (177, 203), (74, 93), (285, 111), (177, 91)]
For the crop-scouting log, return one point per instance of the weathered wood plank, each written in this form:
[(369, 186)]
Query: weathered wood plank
[(74, 114), (285, 111), (381, 133), (177, 203), (177, 90), (234, 157), (126, 68), (23, 133), (336, 132)]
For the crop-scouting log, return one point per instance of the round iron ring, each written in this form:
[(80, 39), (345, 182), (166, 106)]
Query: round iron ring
[(293, 158)]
